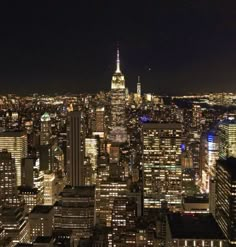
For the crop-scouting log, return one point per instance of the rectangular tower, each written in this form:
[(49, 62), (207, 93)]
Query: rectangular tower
[(161, 164), (227, 138), (75, 148), (226, 198), (15, 142)]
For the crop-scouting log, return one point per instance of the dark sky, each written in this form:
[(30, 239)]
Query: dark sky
[(176, 46)]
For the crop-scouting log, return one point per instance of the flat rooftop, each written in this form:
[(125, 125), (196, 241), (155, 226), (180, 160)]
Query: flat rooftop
[(41, 209), (194, 226), (43, 239), (157, 125), (12, 133), (196, 199)]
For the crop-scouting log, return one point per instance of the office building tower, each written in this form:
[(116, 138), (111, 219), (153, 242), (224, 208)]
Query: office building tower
[(75, 211), (46, 157), (161, 164), (196, 116), (50, 187), (15, 225), (75, 148), (30, 196), (99, 122), (118, 131), (227, 138), (2, 231), (15, 143), (139, 87), (124, 221), (91, 153), (38, 177), (41, 221), (8, 187), (225, 213), (209, 155), (27, 168), (58, 160), (212, 197), (45, 131), (109, 191)]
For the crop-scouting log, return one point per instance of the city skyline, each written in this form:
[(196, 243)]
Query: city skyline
[(175, 48)]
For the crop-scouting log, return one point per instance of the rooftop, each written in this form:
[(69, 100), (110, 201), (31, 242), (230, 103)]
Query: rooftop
[(43, 239), (23, 245), (29, 189), (194, 226), (12, 134), (45, 117), (196, 199), (78, 191), (156, 125), (41, 209)]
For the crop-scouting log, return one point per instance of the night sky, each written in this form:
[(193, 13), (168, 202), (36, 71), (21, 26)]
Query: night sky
[(176, 46)]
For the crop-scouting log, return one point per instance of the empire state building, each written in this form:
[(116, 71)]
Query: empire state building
[(118, 131)]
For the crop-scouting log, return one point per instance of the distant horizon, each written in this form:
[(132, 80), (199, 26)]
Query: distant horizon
[(106, 91)]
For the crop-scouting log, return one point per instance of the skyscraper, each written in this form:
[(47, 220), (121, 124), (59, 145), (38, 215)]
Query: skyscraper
[(226, 198), (118, 131), (8, 186), (227, 138), (139, 87), (45, 132), (91, 153), (99, 122), (161, 164), (75, 148), (15, 143), (75, 211)]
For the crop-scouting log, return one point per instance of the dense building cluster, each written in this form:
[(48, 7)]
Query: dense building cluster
[(117, 169)]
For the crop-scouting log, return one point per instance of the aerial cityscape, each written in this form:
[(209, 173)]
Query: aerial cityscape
[(87, 161)]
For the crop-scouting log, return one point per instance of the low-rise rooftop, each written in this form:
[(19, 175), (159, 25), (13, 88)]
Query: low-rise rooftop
[(194, 226)]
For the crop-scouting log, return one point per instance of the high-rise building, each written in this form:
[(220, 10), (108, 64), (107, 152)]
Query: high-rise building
[(209, 155), (45, 132), (109, 191), (91, 152), (118, 131), (227, 138), (161, 164), (123, 221), (31, 197), (46, 157), (75, 211), (225, 213), (139, 87), (41, 221), (27, 172), (49, 188), (196, 116), (16, 143), (15, 225), (8, 188), (75, 148), (2, 231), (99, 122)]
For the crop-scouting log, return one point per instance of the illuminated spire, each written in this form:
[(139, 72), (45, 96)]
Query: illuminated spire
[(118, 61)]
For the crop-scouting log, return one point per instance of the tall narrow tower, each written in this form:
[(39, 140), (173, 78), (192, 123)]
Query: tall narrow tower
[(139, 87), (118, 130), (45, 133), (75, 149)]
